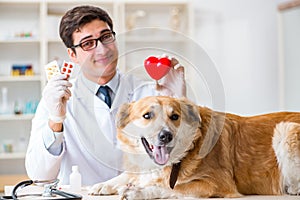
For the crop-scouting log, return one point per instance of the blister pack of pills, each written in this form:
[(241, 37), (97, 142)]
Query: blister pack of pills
[(53, 69), (67, 68)]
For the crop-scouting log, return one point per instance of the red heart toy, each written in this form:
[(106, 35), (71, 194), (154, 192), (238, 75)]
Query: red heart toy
[(157, 67)]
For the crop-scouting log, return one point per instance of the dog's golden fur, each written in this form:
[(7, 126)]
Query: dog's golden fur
[(221, 154)]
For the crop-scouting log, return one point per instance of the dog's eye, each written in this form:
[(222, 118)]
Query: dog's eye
[(148, 115), (174, 117)]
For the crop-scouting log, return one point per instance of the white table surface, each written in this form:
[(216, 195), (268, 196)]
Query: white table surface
[(84, 193)]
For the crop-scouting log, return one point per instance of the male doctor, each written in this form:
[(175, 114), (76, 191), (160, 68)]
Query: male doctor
[(74, 123)]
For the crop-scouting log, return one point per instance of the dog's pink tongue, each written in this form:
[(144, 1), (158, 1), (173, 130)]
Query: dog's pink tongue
[(161, 155)]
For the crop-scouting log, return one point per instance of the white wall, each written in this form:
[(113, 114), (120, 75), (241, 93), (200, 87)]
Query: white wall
[(241, 36), (290, 63)]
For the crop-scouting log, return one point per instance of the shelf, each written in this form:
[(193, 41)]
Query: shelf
[(20, 78), (10, 156), (20, 1), (19, 40), (12, 117)]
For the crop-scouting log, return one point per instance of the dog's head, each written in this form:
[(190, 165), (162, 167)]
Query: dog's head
[(163, 126)]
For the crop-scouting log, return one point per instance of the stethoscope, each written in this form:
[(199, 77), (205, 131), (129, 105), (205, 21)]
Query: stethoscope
[(50, 190)]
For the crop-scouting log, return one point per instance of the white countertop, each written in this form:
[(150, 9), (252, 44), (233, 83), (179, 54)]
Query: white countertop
[(84, 193)]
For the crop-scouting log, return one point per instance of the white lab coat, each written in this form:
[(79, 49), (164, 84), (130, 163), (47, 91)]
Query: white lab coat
[(89, 135)]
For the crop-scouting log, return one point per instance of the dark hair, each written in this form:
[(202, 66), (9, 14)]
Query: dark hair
[(79, 16)]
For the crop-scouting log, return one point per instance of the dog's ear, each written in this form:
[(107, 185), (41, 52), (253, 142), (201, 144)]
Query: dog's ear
[(213, 125), (190, 112), (123, 115)]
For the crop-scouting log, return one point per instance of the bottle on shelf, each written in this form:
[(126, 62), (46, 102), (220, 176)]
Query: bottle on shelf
[(18, 108), (75, 179), (4, 103), (8, 146)]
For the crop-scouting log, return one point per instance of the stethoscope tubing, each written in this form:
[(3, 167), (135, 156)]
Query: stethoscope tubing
[(23, 184)]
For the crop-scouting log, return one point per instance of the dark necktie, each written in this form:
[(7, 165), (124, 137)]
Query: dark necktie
[(105, 91)]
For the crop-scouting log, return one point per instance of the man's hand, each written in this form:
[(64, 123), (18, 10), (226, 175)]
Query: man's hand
[(56, 94), (173, 84)]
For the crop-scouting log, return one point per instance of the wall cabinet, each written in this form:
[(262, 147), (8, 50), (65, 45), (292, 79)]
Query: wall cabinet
[(29, 37)]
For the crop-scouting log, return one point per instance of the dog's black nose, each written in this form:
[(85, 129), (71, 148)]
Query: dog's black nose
[(165, 136)]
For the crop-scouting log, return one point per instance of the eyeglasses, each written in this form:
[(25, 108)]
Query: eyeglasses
[(105, 39)]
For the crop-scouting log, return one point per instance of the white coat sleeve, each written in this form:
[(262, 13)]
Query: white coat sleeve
[(39, 162)]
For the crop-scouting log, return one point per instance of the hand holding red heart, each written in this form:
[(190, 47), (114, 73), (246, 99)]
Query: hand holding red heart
[(169, 73), (157, 67)]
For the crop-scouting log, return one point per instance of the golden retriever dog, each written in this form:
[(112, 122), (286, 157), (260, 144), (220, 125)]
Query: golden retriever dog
[(175, 149)]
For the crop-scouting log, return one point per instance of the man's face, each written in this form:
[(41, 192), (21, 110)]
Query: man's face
[(98, 64)]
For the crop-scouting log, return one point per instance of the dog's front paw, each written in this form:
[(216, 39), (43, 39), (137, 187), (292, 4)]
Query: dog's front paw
[(131, 192), (293, 190), (102, 189), (151, 192)]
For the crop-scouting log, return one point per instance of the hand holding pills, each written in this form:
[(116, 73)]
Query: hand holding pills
[(57, 92)]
